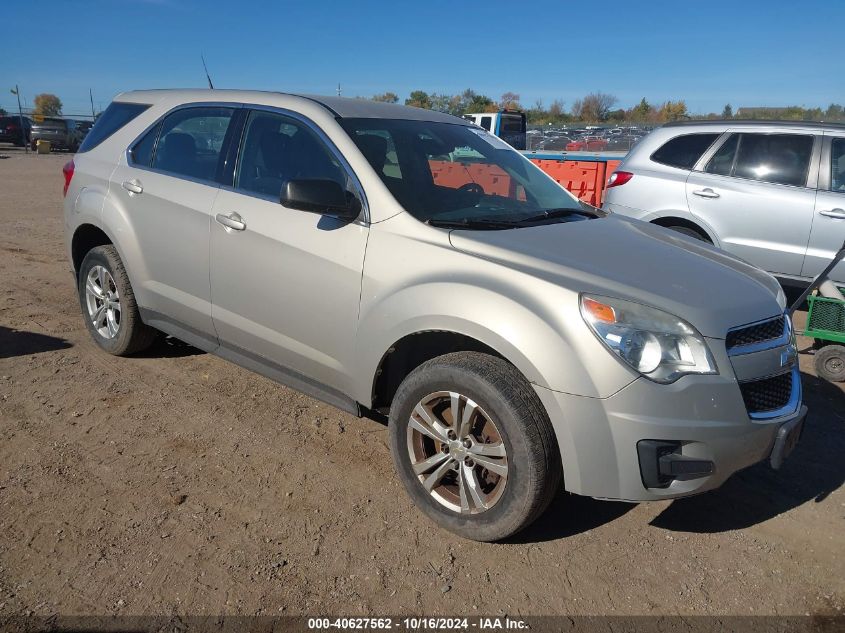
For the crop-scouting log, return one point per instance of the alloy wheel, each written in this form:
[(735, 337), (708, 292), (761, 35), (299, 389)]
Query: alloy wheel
[(457, 452), (103, 302)]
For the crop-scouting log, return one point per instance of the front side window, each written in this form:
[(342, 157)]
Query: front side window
[(837, 164), (684, 151), (191, 140), (452, 173), (277, 149), (777, 158)]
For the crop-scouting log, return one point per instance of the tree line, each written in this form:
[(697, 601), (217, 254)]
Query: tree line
[(600, 107)]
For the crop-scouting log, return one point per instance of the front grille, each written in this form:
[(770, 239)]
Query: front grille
[(768, 394), (757, 333)]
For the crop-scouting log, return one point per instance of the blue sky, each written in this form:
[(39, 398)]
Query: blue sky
[(708, 53)]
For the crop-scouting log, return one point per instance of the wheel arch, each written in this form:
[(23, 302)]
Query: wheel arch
[(411, 351), (669, 221)]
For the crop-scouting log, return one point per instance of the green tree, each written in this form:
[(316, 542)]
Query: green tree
[(834, 112), (3, 112), (673, 111), (419, 99), (642, 111), (47, 104), (728, 112), (387, 97)]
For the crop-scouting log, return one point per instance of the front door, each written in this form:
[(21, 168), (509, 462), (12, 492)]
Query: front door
[(828, 233), (754, 192), (285, 283)]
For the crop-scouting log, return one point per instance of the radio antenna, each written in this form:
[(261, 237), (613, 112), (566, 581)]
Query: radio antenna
[(210, 85)]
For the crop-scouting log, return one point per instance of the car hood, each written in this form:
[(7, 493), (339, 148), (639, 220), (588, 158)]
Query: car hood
[(629, 259)]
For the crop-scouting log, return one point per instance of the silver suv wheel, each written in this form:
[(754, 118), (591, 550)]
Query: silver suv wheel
[(103, 302), (457, 453)]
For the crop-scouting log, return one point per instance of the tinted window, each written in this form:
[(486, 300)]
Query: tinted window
[(486, 123), (456, 173), (512, 123), (115, 117), (191, 140), (684, 151), (723, 160), (777, 158), (277, 149), (142, 151), (837, 164)]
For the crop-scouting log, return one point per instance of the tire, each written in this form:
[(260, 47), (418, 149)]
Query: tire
[(829, 362), (685, 230), (505, 415), (119, 329)]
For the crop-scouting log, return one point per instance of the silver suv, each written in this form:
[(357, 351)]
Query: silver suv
[(772, 193), (407, 265)]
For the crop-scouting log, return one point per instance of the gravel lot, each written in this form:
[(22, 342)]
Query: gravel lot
[(176, 483)]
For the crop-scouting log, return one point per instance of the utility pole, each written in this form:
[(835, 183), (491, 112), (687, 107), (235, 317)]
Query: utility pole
[(17, 93), (91, 96), (338, 88)]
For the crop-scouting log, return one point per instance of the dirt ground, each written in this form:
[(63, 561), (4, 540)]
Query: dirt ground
[(177, 483)]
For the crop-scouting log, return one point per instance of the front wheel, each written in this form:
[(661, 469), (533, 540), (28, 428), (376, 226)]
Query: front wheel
[(108, 304), (474, 446)]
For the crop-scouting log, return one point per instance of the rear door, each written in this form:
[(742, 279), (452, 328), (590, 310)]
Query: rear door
[(828, 232), (166, 186), (757, 192)]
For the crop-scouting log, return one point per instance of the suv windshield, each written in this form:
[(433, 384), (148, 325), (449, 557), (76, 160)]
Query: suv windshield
[(452, 174)]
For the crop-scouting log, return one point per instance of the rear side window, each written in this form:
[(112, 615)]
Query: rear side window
[(782, 159), (837, 164), (142, 152), (191, 140), (487, 123), (683, 151), (110, 121)]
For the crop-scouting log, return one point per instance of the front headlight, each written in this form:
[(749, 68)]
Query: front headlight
[(658, 345)]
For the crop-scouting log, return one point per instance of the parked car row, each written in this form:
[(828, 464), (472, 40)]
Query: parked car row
[(585, 139), (65, 134), (514, 338)]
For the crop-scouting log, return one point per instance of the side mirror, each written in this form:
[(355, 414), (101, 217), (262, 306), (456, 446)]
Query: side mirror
[(325, 197)]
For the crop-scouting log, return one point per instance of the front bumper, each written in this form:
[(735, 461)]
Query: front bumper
[(705, 415)]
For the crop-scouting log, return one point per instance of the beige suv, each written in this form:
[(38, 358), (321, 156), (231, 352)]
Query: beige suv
[(409, 266)]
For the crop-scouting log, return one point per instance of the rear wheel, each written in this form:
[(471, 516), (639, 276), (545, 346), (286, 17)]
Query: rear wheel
[(108, 304), (829, 362), (473, 445)]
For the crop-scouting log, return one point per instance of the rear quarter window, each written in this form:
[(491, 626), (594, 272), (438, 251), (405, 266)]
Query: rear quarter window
[(110, 121), (684, 151)]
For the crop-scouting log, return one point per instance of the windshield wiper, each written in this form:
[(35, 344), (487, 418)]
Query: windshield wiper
[(550, 214), (472, 223)]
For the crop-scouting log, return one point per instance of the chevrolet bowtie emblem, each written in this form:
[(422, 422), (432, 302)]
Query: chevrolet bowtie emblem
[(788, 356)]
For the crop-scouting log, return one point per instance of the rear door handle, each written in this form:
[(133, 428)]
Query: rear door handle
[(232, 221), (133, 186), (706, 193), (839, 214)]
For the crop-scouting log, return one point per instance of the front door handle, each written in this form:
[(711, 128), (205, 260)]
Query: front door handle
[(232, 221), (839, 214), (133, 186), (706, 193)]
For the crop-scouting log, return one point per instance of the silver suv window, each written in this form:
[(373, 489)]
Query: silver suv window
[(191, 140), (684, 151), (777, 158), (837, 164), (278, 148)]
